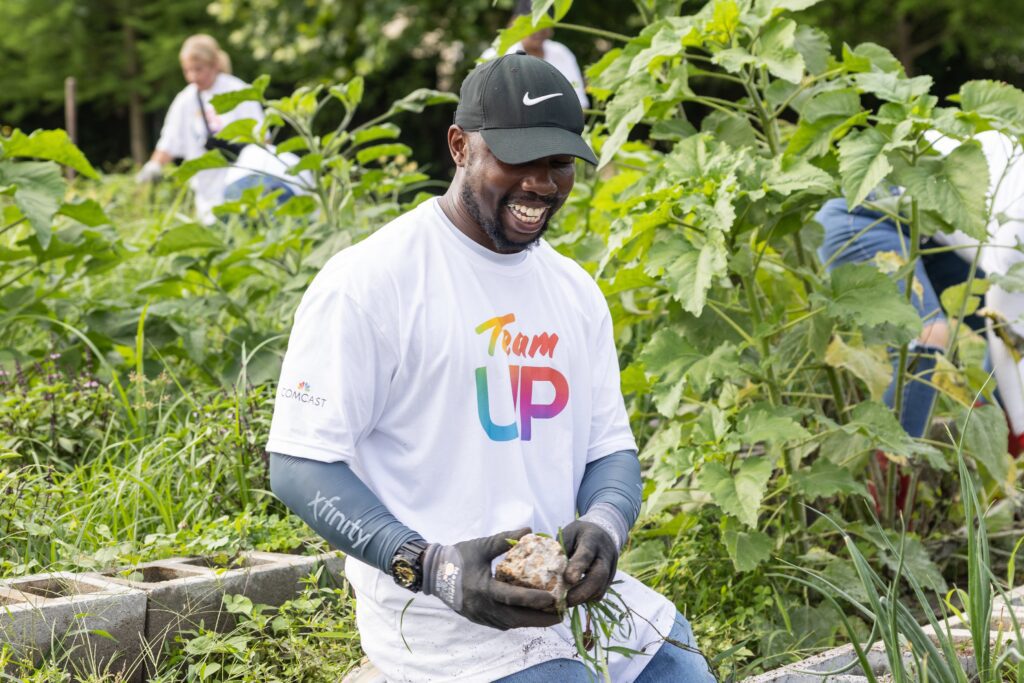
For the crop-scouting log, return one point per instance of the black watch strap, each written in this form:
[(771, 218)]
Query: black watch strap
[(407, 565)]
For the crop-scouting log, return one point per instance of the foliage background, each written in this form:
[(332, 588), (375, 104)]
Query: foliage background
[(124, 54), (139, 350)]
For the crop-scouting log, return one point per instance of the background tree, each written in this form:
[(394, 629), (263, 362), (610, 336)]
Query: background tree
[(124, 54), (951, 40)]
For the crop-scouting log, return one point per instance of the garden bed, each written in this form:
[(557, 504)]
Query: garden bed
[(122, 618), (840, 664)]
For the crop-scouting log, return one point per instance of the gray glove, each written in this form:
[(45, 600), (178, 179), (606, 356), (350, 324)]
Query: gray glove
[(460, 576), (592, 543), (150, 172)]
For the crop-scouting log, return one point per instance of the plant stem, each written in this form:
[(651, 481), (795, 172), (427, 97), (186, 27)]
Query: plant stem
[(601, 33)]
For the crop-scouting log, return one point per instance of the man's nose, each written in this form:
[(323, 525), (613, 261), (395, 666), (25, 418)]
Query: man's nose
[(539, 181)]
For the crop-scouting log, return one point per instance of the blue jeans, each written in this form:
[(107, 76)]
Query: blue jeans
[(233, 192), (857, 236), (669, 663)]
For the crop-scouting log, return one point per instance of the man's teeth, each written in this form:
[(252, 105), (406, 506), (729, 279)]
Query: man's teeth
[(527, 214)]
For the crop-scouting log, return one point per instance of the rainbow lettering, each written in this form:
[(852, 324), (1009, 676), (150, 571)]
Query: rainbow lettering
[(522, 379)]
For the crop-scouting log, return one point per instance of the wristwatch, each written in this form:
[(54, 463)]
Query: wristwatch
[(407, 565)]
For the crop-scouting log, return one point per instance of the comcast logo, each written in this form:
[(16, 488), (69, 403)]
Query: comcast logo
[(302, 393)]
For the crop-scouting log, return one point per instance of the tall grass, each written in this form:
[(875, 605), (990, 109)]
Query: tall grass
[(930, 652)]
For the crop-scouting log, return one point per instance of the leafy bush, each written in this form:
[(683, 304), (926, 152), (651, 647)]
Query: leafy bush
[(753, 375)]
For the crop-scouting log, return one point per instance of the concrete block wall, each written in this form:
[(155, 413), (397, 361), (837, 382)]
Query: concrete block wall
[(95, 623), (142, 606), (834, 666)]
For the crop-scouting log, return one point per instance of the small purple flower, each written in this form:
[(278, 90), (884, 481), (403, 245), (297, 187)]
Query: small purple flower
[(54, 356)]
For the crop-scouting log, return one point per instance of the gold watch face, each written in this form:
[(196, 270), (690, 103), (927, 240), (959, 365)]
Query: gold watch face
[(404, 572)]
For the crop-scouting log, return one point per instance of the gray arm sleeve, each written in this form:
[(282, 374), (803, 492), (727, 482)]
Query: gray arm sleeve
[(332, 500), (614, 479)]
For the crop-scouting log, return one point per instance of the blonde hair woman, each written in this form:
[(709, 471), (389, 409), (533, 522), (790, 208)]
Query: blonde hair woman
[(192, 120)]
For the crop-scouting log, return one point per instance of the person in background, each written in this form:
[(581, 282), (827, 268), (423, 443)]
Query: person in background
[(860, 234), (191, 120), (540, 45)]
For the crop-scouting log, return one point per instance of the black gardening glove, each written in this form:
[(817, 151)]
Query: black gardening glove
[(593, 556), (460, 575)]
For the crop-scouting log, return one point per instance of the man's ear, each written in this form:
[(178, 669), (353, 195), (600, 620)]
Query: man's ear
[(458, 144)]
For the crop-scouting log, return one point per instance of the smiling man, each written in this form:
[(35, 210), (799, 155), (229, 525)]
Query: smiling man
[(451, 383)]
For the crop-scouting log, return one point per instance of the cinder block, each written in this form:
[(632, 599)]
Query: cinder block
[(842, 660), (90, 623), (178, 598), (186, 593)]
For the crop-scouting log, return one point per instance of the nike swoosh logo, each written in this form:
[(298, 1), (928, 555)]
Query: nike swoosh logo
[(530, 101)]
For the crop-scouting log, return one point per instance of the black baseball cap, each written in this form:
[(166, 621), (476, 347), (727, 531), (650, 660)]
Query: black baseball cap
[(524, 108)]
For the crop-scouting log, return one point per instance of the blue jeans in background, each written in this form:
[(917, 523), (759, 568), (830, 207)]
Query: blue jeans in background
[(857, 236), (233, 192), (669, 664)]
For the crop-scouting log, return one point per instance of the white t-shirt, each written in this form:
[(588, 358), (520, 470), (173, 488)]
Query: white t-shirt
[(184, 136), (560, 57), (468, 390)]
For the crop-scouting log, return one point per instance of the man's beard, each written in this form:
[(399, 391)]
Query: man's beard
[(494, 228)]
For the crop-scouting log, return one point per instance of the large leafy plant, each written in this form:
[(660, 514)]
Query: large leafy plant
[(756, 375)]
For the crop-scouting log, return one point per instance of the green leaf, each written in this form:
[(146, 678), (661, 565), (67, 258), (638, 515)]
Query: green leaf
[(309, 162), (747, 549), (862, 295), (620, 133), (539, 9), (794, 174), (813, 44), (825, 478), (844, 103), (952, 188), (297, 205), (879, 424), (739, 493), (420, 99), (985, 438), (916, 562), (893, 87), (40, 189), (863, 164), (763, 422), (993, 100), (51, 145), (871, 57), (87, 212), (295, 144), (184, 237), (869, 364), (212, 159), (239, 131), (523, 26), (775, 48), (225, 102), (384, 131), (350, 94), (689, 270), (668, 355), (384, 151), (953, 297)]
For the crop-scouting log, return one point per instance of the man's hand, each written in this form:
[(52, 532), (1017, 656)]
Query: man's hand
[(593, 556), (460, 575)]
